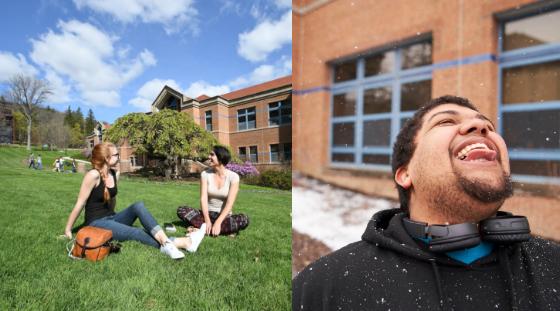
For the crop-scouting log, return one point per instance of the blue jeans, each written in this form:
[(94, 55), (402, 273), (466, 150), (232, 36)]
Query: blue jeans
[(121, 225)]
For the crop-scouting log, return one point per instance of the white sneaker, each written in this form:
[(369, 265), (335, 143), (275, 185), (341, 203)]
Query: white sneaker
[(196, 238), (171, 250)]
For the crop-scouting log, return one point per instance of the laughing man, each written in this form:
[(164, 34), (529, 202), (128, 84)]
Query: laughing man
[(447, 247)]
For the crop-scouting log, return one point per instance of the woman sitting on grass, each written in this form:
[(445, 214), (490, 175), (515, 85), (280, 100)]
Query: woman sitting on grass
[(218, 190), (98, 194)]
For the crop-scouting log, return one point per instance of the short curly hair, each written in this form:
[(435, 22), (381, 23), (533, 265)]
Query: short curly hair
[(404, 146)]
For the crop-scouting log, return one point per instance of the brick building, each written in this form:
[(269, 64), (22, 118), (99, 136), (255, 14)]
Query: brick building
[(363, 67), (7, 126), (255, 121)]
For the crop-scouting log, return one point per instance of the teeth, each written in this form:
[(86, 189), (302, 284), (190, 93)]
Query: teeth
[(463, 153)]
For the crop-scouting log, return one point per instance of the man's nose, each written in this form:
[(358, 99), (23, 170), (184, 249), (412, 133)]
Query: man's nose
[(475, 126)]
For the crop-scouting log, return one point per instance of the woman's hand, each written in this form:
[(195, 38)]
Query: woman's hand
[(68, 234), (208, 227), (216, 228)]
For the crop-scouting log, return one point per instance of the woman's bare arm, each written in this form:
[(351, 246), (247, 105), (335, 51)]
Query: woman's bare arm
[(91, 179)]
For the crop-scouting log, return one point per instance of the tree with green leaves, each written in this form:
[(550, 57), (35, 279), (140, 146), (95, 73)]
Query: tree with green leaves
[(89, 123), (168, 133), (28, 93)]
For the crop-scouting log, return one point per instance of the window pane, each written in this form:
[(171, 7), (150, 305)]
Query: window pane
[(533, 83), (251, 110), (539, 168), (377, 100), (377, 133), (253, 154), (343, 134), (343, 157), (415, 95), (532, 31), (274, 113), (287, 152), (376, 159), (274, 149), (417, 55), (380, 63), (274, 105), (252, 121), (345, 71), (532, 129), (344, 104)]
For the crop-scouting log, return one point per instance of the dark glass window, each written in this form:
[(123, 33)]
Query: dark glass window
[(246, 119), (548, 168), (280, 112), (208, 117), (253, 154), (274, 153), (532, 31), (287, 152), (376, 159), (345, 71), (532, 129), (377, 133), (243, 154), (344, 104), (377, 100), (343, 157), (343, 134), (380, 63), (415, 95), (533, 83), (416, 55)]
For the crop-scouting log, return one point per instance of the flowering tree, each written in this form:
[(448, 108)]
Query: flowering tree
[(245, 169)]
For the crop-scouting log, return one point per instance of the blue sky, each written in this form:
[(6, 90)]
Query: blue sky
[(115, 56)]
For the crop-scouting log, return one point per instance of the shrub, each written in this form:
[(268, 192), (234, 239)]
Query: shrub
[(245, 169), (281, 179)]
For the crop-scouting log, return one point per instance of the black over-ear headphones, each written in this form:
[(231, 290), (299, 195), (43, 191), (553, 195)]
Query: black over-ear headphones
[(502, 229)]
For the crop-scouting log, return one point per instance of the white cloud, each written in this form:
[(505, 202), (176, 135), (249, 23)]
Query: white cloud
[(86, 57), (265, 38), (174, 15), (60, 88), (263, 73), (202, 87), (283, 3), (11, 65), (148, 92)]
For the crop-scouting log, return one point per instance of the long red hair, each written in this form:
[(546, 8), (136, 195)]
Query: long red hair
[(100, 156)]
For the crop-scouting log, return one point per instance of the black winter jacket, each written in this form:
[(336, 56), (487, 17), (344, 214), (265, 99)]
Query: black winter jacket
[(388, 270)]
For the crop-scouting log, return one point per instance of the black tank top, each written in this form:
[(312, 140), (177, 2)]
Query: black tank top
[(95, 207)]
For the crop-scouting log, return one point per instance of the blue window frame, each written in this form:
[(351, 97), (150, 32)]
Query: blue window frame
[(246, 119), (208, 118), (529, 94), (280, 112), (372, 96)]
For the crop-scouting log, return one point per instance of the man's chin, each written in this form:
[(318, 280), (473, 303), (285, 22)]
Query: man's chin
[(487, 189)]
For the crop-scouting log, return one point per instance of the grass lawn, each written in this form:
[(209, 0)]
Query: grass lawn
[(248, 272)]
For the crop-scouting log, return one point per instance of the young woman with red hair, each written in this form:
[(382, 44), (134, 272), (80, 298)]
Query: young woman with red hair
[(98, 195)]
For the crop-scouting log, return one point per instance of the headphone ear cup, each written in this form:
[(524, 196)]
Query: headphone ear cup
[(443, 246), (507, 238)]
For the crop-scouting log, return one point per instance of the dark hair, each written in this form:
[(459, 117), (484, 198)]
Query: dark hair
[(222, 153), (404, 146)]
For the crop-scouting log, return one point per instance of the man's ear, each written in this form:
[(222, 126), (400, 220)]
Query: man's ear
[(402, 178)]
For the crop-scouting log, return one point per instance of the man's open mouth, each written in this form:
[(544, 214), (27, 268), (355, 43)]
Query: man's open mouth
[(477, 152)]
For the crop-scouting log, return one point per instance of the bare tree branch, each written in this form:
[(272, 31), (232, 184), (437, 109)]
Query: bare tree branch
[(28, 93)]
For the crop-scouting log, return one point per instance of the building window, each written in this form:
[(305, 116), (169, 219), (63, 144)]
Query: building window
[(172, 103), (132, 161), (243, 154), (530, 95), (253, 154), (208, 117), (246, 119), (274, 153), (372, 97), (287, 153), (280, 112)]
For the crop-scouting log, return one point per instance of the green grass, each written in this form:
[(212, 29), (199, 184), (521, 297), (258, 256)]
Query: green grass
[(248, 272)]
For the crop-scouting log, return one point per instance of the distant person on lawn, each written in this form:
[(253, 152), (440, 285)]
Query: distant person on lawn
[(218, 191), (98, 194), (31, 161), (39, 163), (56, 165)]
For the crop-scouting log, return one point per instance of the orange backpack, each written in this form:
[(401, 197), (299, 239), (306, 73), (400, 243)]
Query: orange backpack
[(93, 244)]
